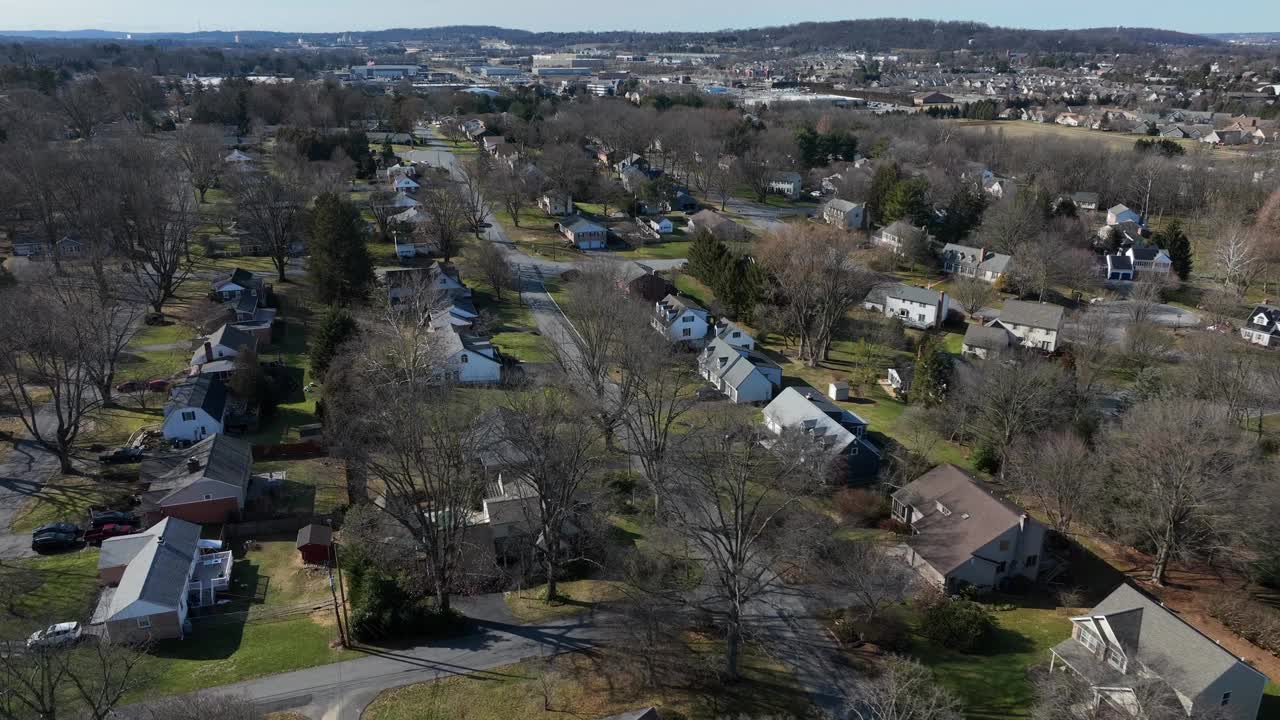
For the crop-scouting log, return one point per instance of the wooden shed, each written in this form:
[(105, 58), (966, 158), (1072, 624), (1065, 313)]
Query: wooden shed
[(315, 543)]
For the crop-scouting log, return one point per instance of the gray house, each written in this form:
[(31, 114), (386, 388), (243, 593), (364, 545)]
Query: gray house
[(744, 376), (839, 431), (964, 535), (1035, 325), (974, 262), (1130, 649)]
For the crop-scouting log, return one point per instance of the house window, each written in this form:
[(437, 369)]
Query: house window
[(144, 622), (188, 415), (1032, 560), (686, 332), (687, 319), (208, 497), (1004, 545), (1089, 640), (1226, 699), (1000, 566), (1116, 660), (920, 317), (464, 359)]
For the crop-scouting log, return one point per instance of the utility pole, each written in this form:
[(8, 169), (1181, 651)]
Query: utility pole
[(342, 590), (337, 615)]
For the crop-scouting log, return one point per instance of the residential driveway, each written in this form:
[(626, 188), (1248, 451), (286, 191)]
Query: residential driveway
[(1168, 315), (341, 691), (24, 467)]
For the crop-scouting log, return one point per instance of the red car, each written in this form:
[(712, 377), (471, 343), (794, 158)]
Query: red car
[(110, 530), (158, 385)]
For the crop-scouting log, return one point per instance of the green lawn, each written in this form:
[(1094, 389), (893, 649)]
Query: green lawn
[(67, 498), (537, 234), (670, 250), (689, 285), (515, 333), (993, 683), (317, 485), (173, 332), (41, 591), (530, 606)]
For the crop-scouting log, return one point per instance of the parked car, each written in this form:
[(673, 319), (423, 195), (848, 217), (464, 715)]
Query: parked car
[(159, 385), (58, 527), (129, 386), (109, 530), (121, 456), (98, 518), (53, 541), (65, 633)]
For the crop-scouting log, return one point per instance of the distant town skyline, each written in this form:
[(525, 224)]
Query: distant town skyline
[(570, 15)]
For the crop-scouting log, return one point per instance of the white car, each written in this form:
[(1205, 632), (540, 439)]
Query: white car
[(55, 635)]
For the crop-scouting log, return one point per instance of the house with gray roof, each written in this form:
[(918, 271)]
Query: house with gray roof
[(962, 534), (844, 214), (196, 409), (983, 341), (1263, 326), (225, 343), (205, 483), (1133, 651), (897, 236), (914, 306), (583, 234), (681, 320), (742, 375), (843, 434), (979, 263), (153, 578), (1035, 325), (732, 333)]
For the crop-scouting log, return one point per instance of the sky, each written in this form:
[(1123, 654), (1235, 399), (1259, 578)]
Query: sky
[(653, 15)]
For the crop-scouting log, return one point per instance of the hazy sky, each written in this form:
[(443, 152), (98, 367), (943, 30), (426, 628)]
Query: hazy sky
[(335, 15)]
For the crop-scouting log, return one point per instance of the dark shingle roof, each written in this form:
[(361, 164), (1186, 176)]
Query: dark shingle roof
[(1039, 315), (314, 534), (205, 392), (220, 458)]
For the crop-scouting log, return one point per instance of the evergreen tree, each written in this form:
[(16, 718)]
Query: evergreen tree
[(739, 286), (908, 201), (706, 257), (336, 327), (340, 266), (932, 373), (1175, 242), (964, 213), (883, 183)]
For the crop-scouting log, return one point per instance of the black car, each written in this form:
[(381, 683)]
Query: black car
[(99, 518), (121, 456), (54, 541), (58, 527)]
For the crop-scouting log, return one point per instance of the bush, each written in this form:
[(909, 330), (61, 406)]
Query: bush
[(986, 459), (958, 624), (1249, 619), (381, 609), (859, 505), (895, 526), (888, 630)]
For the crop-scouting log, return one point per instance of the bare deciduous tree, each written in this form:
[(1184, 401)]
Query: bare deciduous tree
[(447, 219), (972, 294), (200, 150), (873, 579), (471, 185), (270, 213), (489, 259), (904, 690), (662, 392), (87, 680), (159, 233), (1059, 472)]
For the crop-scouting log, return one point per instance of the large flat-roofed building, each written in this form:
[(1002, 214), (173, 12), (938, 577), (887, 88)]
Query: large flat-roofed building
[(384, 72)]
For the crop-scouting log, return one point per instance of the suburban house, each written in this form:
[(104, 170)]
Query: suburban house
[(196, 409), (844, 214), (1035, 325), (471, 360), (1148, 259), (582, 233), (405, 184), (931, 98), (974, 262), (206, 483), (1131, 650), (633, 178), (237, 157), (1121, 214), (721, 227), (556, 203), (819, 419), (641, 281), (899, 378), (436, 284), (1119, 267), (1263, 326), (229, 288), (680, 320), (963, 535), (789, 184), (742, 375), (982, 341), (731, 333), (915, 306), (1085, 200), (897, 235), (660, 225), (226, 343), (152, 578)]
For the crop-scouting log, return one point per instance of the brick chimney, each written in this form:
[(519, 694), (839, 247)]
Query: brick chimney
[(208, 351)]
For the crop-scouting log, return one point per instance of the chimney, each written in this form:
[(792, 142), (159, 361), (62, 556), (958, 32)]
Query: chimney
[(193, 464), (208, 351)]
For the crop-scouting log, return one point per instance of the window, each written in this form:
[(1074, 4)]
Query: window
[(1089, 640), (686, 332), (208, 497), (464, 359), (1004, 545), (144, 622), (687, 319), (1000, 566), (1226, 699), (188, 414), (1032, 560), (1116, 660), (920, 317)]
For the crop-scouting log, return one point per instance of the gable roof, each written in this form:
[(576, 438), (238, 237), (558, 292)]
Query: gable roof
[(843, 206), (1038, 315), (218, 459), (902, 291), (815, 414), (578, 224), (973, 517), (1119, 262), (902, 229), (233, 337), (315, 534), (158, 570), (987, 338), (205, 392), (239, 276), (1181, 655)]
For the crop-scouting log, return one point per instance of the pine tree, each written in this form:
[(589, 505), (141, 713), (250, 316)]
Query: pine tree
[(340, 266), (1175, 242), (908, 201), (706, 258), (932, 373), (336, 327), (883, 183)]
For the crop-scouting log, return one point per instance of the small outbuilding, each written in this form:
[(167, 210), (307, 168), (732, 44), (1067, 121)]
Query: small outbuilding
[(315, 544)]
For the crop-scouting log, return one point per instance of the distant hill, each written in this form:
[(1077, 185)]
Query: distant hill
[(880, 34)]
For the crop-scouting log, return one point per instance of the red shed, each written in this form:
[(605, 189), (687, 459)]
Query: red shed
[(315, 542)]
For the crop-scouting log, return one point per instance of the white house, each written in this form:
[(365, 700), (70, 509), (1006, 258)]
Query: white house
[(963, 535), (1263, 326), (226, 343), (1121, 214), (844, 214), (1150, 260), (1035, 325), (680, 320), (405, 184), (742, 375), (731, 333), (195, 410), (897, 236), (230, 287), (556, 203), (915, 306), (979, 263), (834, 428), (470, 360), (583, 234)]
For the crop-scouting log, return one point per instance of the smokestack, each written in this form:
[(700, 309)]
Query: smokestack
[(193, 464), (208, 351)]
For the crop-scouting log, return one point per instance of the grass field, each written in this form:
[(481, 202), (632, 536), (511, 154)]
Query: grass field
[(669, 250), (1025, 129), (530, 606), (317, 485), (992, 683), (41, 591), (689, 285), (67, 498)]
